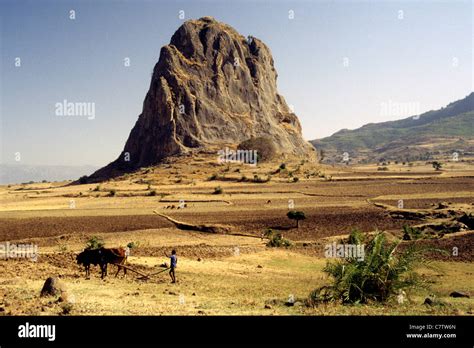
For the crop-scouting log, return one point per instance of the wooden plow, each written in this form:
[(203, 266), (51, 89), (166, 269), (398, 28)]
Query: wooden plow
[(146, 277), (143, 275)]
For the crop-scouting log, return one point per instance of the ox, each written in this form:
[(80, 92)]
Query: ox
[(102, 257)]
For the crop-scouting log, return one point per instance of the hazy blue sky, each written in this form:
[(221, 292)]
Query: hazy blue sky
[(338, 62)]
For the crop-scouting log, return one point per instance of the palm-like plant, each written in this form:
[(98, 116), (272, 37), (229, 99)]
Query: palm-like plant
[(382, 273)]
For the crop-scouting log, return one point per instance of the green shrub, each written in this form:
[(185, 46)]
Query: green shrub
[(218, 190), (268, 233), (411, 233), (95, 242), (132, 245), (322, 294), (112, 193), (383, 272), (356, 237), (152, 193), (66, 308), (436, 165), (277, 241)]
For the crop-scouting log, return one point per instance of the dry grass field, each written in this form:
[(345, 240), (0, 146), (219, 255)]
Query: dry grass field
[(233, 273)]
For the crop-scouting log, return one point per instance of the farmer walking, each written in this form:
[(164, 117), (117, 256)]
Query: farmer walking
[(173, 264)]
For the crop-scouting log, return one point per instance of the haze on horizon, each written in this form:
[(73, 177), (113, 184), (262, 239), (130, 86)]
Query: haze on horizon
[(340, 64)]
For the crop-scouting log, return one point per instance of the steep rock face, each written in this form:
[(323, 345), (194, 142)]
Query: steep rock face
[(210, 88)]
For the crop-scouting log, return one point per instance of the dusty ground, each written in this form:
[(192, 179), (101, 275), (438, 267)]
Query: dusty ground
[(237, 273)]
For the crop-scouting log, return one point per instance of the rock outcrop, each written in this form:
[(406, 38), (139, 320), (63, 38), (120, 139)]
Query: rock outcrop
[(52, 287), (211, 88)]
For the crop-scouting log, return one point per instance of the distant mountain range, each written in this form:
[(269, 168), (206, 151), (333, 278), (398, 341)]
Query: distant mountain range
[(19, 173), (445, 131)]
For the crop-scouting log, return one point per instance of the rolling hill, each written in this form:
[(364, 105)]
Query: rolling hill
[(434, 133)]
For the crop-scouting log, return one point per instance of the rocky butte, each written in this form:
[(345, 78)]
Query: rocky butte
[(211, 88)]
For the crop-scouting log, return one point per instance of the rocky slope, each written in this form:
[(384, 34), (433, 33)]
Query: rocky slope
[(211, 88)]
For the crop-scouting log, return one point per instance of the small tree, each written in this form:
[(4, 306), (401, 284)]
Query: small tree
[(436, 165), (296, 215)]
